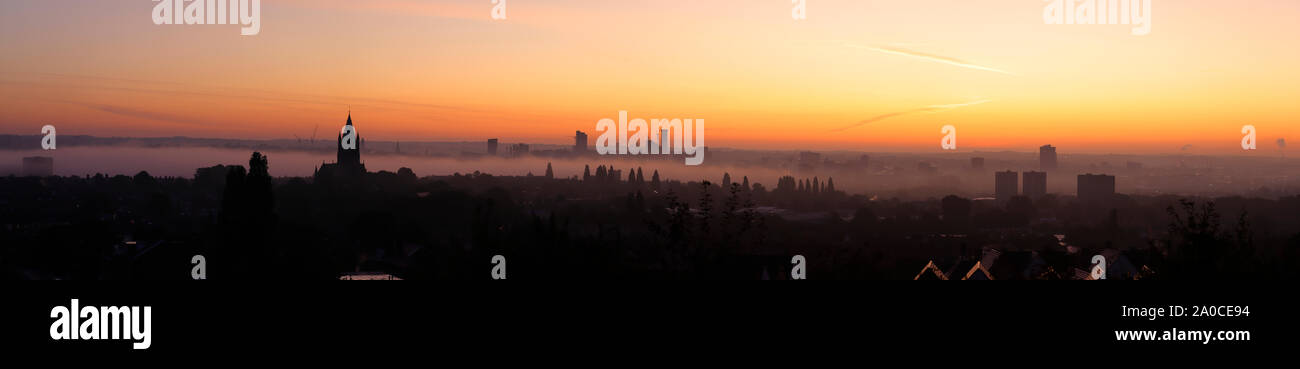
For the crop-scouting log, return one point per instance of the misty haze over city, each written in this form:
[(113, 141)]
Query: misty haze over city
[(909, 176)]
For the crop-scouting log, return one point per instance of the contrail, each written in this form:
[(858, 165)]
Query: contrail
[(931, 57), (928, 109)]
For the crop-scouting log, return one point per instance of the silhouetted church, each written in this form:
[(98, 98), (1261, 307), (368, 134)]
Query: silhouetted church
[(348, 168)]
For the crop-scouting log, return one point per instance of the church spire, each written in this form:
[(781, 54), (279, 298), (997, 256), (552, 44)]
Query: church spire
[(349, 117)]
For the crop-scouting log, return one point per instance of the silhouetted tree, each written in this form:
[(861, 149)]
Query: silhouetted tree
[(247, 220), (1199, 250), (730, 207), (258, 188), (787, 184), (143, 180), (706, 207), (749, 215)]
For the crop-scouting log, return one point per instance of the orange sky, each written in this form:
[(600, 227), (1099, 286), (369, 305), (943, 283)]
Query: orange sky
[(444, 70)]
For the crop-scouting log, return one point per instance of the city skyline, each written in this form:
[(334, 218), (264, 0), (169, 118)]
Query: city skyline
[(235, 148), (853, 76)]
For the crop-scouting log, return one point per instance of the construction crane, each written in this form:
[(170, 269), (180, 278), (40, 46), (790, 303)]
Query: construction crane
[(313, 134)]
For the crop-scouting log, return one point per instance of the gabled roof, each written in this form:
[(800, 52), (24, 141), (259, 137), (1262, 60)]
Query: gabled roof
[(933, 269), (978, 267)]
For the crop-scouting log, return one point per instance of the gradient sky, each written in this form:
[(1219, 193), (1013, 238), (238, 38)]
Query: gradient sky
[(857, 74)]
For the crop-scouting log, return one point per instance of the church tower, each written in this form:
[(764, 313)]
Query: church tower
[(348, 170), (350, 158)]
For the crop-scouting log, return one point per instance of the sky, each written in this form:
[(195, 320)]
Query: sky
[(860, 75)]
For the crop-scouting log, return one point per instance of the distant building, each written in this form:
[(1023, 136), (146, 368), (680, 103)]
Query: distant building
[(809, 161), (1047, 158), (1005, 185), (810, 158), (348, 167), (1035, 184), (579, 142), (977, 163), (666, 145), (864, 162), (38, 166), (1095, 188), (520, 149), (492, 146)]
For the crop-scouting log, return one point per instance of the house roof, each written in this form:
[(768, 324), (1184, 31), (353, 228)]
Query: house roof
[(933, 271), (975, 270)]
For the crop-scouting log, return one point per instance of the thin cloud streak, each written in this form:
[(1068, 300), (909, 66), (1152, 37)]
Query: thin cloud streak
[(931, 57), (928, 109), (82, 82)]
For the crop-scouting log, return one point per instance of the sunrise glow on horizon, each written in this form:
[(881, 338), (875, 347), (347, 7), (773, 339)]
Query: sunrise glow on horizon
[(854, 75)]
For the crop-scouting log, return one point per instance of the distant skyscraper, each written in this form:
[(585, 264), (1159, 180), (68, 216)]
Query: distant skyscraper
[(977, 163), (1047, 158), (809, 161), (1035, 184), (1096, 188), (810, 158), (580, 142), (520, 149), (38, 166), (492, 146), (1005, 185)]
